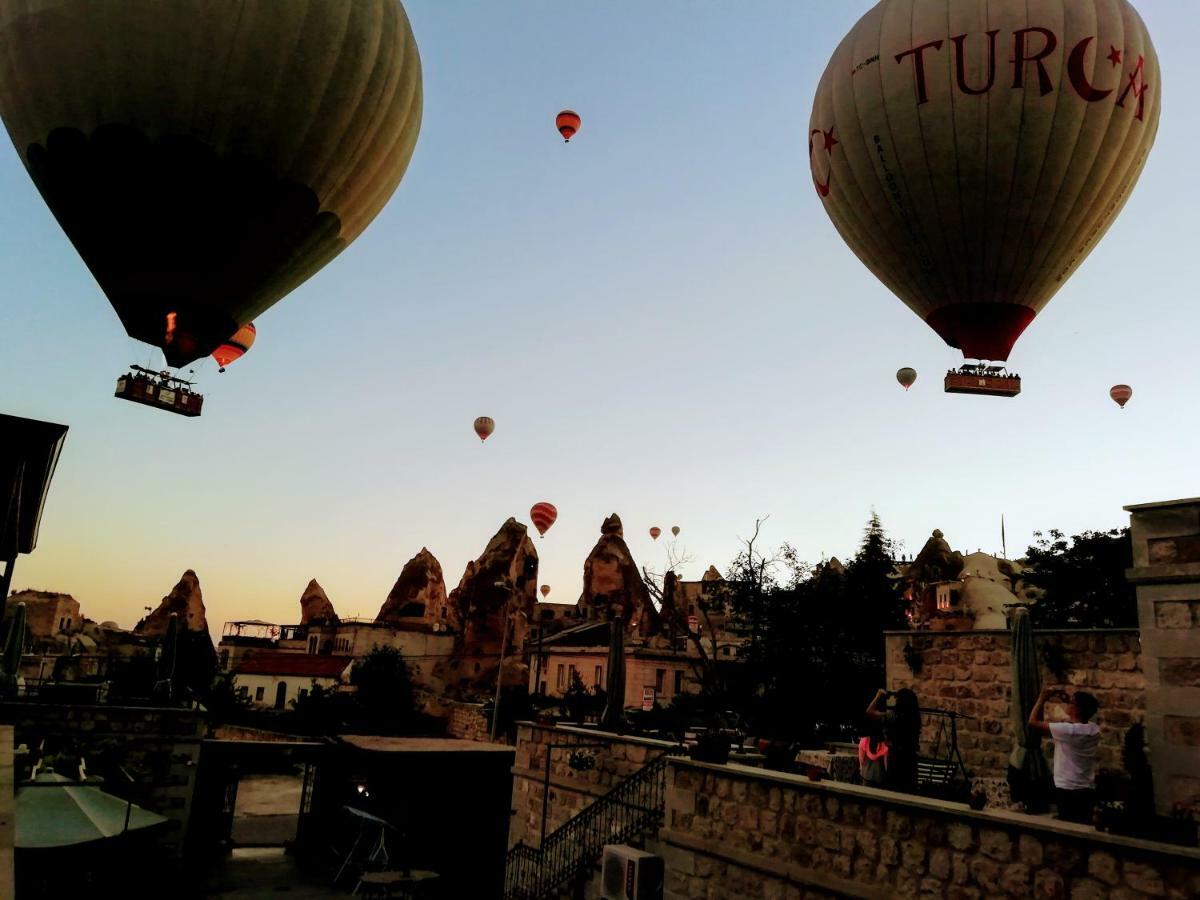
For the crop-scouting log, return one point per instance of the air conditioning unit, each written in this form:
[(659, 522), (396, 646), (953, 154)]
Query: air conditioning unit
[(631, 874)]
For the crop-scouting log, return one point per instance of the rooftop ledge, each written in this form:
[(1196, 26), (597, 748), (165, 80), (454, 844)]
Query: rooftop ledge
[(1190, 501), (1002, 818)]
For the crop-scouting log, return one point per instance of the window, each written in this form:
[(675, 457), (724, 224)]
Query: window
[(562, 677), (691, 609), (678, 681), (62, 623), (572, 676), (660, 676), (312, 644), (258, 694), (599, 675), (224, 660)]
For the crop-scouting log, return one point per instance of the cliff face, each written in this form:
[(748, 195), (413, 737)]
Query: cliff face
[(419, 592), (612, 583), (496, 586), (185, 600), (315, 606)]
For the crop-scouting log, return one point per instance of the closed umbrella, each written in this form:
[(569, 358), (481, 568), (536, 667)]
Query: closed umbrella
[(615, 684), (1028, 774), (14, 644), (54, 811)]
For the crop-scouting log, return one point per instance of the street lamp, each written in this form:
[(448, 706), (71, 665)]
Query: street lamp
[(507, 585)]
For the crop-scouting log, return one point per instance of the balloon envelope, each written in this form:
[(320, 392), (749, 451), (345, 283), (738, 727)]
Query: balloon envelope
[(543, 515), (545, 590), (972, 154), (484, 426), (567, 122), (655, 532), (206, 158), (1121, 394), (675, 530), (906, 377), (236, 347)]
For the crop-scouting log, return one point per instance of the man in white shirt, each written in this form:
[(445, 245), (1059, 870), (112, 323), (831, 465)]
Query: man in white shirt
[(1075, 743)]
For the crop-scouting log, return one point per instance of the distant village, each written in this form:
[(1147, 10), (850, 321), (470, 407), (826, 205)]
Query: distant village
[(492, 629)]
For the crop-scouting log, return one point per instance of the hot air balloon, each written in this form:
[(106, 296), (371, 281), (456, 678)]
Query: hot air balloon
[(235, 347), (973, 154), (567, 122), (543, 515), (655, 532), (1121, 394), (206, 159), (545, 590), (906, 377), (675, 530), (484, 426)]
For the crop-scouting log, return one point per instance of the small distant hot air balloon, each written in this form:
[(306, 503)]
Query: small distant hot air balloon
[(545, 590), (675, 530), (1121, 394), (236, 347), (655, 532), (906, 377), (543, 515), (567, 122), (484, 426)]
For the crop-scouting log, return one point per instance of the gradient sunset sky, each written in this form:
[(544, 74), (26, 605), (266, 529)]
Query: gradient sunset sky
[(659, 316)]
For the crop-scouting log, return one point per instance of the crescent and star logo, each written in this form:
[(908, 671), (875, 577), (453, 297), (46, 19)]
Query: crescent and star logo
[(820, 158)]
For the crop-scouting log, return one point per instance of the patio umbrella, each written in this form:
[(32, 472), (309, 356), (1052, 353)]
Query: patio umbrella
[(614, 711), (1028, 774), (54, 811)]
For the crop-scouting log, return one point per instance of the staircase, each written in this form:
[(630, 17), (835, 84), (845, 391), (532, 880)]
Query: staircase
[(631, 808)]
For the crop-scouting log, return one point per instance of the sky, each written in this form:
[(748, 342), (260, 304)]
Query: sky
[(659, 316)]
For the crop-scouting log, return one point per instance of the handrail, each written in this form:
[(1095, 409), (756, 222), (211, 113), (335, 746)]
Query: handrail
[(629, 808)]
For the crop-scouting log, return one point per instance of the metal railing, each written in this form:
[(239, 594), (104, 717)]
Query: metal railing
[(628, 809)]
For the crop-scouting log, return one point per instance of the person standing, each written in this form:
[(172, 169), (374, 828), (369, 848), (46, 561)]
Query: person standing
[(1075, 743), (902, 731)]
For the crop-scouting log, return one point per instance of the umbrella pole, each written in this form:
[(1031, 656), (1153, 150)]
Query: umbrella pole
[(6, 583)]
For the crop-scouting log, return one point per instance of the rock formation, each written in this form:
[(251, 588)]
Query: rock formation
[(315, 607), (185, 600), (419, 592), (613, 583), (496, 586)]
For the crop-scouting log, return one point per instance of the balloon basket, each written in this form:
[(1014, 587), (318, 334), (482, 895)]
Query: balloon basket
[(161, 390), (992, 381)]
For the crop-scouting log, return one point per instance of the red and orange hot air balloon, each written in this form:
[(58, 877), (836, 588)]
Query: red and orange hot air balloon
[(543, 515), (545, 590), (484, 426), (972, 155), (655, 532), (236, 347), (567, 122), (1121, 394)]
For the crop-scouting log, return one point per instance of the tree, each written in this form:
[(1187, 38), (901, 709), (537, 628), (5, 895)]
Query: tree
[(870, 585), (384, 697), (1082, 579)]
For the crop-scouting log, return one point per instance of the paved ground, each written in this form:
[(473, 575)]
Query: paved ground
[(261, 873), (267, 809)]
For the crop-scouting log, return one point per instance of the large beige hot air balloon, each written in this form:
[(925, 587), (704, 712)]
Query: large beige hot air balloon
[(973, 152), (206, 157)]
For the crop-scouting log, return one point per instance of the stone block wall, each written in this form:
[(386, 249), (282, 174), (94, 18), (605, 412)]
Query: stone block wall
[(970, 672), (570, 790), (735, 833), (159, 747), (8, 819), (1166, 572), (467, 722)]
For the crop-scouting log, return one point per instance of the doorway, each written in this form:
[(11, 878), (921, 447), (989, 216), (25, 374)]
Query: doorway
[(281, 695)]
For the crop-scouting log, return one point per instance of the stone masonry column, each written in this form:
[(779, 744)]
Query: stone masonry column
[(1166, 573)]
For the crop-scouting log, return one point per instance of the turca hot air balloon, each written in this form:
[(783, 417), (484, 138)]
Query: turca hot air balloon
[(484, 426), (236, 347), (1121, 394), (972, 155), (207, 158), (655, 532), (543, 515), (567, 122), (907, 377)]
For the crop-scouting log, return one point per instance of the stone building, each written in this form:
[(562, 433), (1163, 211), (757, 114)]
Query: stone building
[(274, 680), (49, 616)]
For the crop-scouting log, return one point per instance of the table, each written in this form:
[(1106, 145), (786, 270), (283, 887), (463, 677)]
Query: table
[(400, 884)]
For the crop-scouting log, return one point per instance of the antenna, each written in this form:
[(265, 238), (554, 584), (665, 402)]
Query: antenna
[(1003, 542)]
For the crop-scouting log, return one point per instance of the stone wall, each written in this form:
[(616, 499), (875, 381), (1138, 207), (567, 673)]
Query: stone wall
[(467, 722), (970, 672), (617, 757), (736, 833), (159, 747), (1166, 571), (8, 819)]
